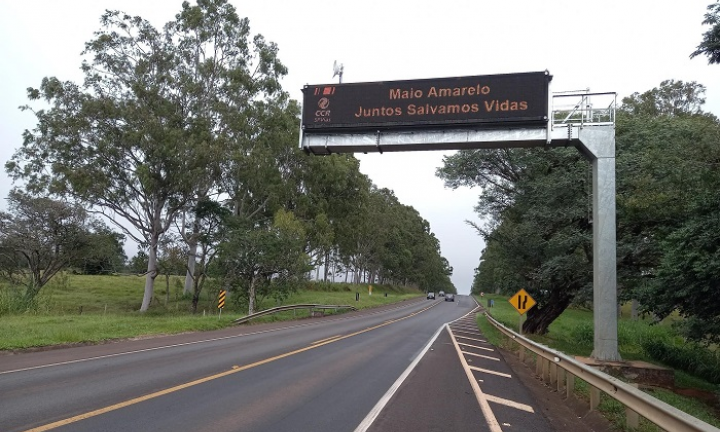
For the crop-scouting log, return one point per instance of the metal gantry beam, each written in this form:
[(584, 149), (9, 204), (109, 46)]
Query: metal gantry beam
[(595, 142)]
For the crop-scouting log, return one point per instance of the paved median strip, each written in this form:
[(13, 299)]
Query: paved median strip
[(483, 398)]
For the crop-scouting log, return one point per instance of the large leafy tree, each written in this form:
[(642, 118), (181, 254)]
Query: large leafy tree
[(145, 133), (539, 233), (672, 210), (231, 82), (538, 203), (710, 45)]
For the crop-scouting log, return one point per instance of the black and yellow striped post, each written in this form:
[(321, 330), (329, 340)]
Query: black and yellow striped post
[(221, 301)]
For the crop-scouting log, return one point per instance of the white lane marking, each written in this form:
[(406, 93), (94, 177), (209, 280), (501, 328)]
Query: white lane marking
[(510, 403), (465, 330), (476, 333), (472, 339), (479, 395), (474, 346), (491, 372), (481, 356), (86, 359), (375, 411)]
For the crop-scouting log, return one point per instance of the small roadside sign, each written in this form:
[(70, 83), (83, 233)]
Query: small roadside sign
[(221, 299), (522, 301)]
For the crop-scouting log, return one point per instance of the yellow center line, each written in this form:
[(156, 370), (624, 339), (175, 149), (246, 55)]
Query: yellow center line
[(325, 340), (234, 370)]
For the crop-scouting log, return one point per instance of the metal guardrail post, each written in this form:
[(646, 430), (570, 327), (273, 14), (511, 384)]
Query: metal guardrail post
[(569, 385), (632, 419), (560, 379), (594, 397)]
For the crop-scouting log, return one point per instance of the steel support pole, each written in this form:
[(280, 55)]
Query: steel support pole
[(598, 144)]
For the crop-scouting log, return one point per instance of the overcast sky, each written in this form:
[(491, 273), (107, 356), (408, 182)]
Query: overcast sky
[(612, 45)]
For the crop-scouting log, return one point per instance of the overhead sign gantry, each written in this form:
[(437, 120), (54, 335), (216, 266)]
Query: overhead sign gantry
[(490, 111)]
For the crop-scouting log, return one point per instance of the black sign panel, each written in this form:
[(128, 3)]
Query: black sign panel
[(489, 100)]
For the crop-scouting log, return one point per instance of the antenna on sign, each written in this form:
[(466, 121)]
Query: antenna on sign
[(338, 70)]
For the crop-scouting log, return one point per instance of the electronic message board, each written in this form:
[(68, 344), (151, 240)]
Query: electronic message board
[(485, 101)]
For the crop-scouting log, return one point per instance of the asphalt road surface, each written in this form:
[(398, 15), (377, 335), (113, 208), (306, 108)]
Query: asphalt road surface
[(396, 368)]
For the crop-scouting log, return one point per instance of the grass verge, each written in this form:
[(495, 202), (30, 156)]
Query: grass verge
[(75, 309)]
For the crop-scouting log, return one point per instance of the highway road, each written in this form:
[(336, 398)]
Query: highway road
[(387, 369)]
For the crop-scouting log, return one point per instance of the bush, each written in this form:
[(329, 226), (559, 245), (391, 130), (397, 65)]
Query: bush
[(583, 334), (12, 301), (689, 357)]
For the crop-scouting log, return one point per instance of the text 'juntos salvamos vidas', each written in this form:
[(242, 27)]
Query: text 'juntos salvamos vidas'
[(487, 104)]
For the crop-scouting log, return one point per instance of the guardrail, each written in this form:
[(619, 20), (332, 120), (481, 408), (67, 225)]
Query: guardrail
[(311, 307), (555, 367)]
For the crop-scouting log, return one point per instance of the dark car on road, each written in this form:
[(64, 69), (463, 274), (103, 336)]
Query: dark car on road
[(431, 296), (450, 297)]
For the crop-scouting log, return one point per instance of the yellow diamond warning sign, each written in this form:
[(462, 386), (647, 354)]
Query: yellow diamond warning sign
[(522, 301)]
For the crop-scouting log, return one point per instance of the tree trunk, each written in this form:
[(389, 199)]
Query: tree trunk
[(151, 273), (634, 310), (539, 319), (326, 268), (251, 296), (192, 255)]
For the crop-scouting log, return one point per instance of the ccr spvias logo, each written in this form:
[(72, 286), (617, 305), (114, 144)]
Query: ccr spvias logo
[(323, 113)]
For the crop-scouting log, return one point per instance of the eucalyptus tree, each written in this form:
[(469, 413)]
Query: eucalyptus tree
[(230, 81), (328, 189), (145, 134)]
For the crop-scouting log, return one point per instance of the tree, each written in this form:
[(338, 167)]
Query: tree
[(265, 259), (710, 45), (105, 252), (669, 208), (210, 226), (672, 98), (139, 263), (227, 74), (153, 120), (539, 235), (39, 238)]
